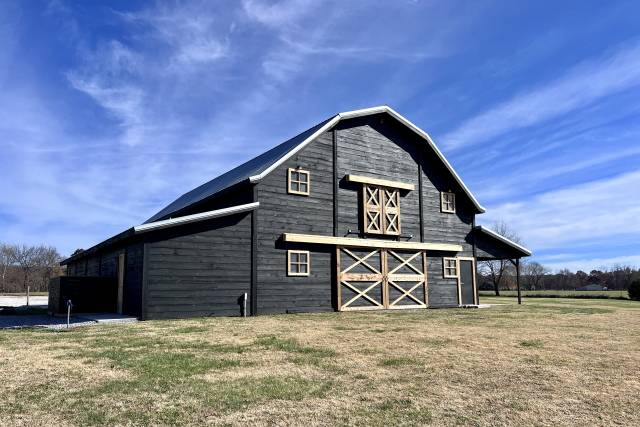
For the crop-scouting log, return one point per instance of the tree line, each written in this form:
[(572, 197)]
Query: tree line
[(501, 274), (536, 277), (23, 266)]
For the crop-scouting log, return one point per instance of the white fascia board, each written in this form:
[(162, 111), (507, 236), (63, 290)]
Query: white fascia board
[(426, 136), (367, 112), (505, 240), (187, 219), (323, 129)]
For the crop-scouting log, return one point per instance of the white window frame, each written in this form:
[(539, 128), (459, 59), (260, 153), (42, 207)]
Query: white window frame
[(290, 271), (444, 203), (299, 182), (446, 267)]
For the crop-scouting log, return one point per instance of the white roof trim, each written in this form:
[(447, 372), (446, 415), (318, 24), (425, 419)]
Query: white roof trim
[(504, 239), (187, 219), (366, 112), (323, 129)]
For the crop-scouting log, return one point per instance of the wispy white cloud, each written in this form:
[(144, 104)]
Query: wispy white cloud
[(193, 31), (283, 13), (606, 208), (319, 35), (579, 87)]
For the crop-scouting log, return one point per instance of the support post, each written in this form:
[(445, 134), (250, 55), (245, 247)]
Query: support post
[(518, 280)]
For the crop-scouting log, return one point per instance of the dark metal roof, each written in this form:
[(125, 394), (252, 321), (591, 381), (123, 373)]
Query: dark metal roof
[(241, 173)]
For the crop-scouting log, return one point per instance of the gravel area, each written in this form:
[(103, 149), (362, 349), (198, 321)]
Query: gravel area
[(51, 322)]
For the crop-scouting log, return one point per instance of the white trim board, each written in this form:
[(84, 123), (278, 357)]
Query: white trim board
[(368, 243), (367, 112), (504, 239), (187, 219)]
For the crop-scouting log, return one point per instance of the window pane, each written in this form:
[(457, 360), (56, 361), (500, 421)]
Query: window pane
[(295, 186), (294, 257), (295, 176), (303, 258), (303, 268), (303, 188)]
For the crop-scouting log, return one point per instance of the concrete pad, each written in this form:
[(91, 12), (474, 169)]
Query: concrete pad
[(107, 318)]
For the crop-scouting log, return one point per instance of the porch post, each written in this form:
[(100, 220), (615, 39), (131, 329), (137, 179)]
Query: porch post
[(518, 279)]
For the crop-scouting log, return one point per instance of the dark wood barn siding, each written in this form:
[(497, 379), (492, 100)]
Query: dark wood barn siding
[(442, 292), (109, 262), (441, 227), (132, 297), (93, 266), (378, 150), (200, 269), (279, 213)]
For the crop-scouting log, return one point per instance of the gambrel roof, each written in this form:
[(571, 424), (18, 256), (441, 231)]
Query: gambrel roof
[(257, 168)]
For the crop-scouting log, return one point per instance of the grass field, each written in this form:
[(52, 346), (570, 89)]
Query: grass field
[(562, 294), (548, 362)]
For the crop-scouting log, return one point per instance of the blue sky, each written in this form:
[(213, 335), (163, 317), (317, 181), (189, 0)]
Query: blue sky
[(111, 111)]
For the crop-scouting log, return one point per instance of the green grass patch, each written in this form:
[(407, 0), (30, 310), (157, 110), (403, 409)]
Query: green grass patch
[(399, 361), (436, 342), (532, 343), (394, 412), (292, 346), (345, 328), (190, 329), (562, 294)]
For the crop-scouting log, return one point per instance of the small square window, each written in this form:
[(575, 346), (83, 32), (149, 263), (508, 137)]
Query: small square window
[(448, 202), (298, 182), (450, 268), (298, 263)]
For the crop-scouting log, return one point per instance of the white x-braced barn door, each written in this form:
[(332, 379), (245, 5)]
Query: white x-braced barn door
[(370, 279)]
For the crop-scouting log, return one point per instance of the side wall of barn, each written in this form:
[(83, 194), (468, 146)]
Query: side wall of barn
[(200, 269), (104, 263)]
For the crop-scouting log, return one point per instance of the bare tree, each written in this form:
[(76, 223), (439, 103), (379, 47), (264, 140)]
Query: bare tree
[(26, 258), (533, 273), (7, 259), (47, 260), (496, 270)]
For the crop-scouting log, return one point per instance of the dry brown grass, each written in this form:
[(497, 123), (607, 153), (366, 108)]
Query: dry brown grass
[(549, 362)]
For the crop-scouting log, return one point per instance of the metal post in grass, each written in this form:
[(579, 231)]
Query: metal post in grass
[(244, 305), (518, 280), (69, 305), (27, 296)]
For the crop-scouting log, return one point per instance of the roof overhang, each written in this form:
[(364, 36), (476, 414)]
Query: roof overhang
[(366, 112), (188, 219), (173, 222), (491, 233)]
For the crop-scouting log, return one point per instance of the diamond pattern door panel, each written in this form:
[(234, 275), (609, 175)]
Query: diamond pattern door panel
[(370, 279)]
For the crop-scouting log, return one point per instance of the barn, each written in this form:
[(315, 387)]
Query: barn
[(359, 212)]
